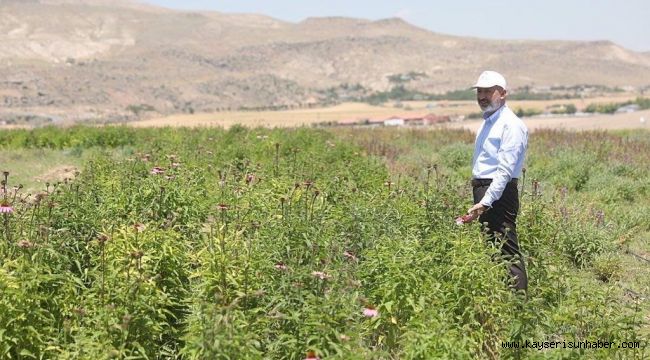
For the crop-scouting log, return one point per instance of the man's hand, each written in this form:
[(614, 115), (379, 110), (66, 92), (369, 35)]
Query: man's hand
[(472, 214), (476, 210)]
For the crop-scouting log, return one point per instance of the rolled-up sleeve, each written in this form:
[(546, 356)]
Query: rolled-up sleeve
[(510, 157)]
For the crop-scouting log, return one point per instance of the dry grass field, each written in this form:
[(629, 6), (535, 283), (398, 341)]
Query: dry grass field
[(347, 111), (596, 122)]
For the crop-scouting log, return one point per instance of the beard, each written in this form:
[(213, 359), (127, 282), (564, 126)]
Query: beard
[(491, 107)]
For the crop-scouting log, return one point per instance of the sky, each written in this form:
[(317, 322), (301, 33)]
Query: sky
[(625, 22)]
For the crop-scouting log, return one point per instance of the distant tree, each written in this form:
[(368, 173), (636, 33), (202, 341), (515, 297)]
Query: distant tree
[(570, 109)]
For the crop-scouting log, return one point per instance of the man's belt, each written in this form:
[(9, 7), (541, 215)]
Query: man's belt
[(487, 182)]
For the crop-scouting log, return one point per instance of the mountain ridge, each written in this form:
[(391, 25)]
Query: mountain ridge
[(98, 57)]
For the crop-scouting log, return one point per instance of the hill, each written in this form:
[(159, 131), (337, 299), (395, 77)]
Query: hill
[(100, 59)]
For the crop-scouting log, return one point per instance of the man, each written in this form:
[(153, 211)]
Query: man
[(498, 160)]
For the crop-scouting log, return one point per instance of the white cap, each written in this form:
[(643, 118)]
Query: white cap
[(489, 79)]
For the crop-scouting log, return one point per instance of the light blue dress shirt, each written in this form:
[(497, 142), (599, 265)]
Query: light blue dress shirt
[(499, 152)]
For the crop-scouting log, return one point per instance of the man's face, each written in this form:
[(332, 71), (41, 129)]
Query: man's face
[(490, 99)]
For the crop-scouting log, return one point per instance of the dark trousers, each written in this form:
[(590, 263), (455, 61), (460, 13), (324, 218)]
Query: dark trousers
[(501, 227)]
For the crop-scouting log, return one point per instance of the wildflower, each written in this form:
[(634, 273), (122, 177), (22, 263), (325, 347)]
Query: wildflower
[(175, 165), (250, 178), (311, 355), (126, 320), (157, 170), (102, 238), (139, 227), (464, 219), (344, 337), (281, 266), (6, 209), (321, 275), (370, 311), (25, 244), (308, 184), (350, 255), (137, 254), (222, 207)]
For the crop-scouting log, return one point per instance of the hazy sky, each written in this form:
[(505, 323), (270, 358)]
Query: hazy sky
[(626, 22)]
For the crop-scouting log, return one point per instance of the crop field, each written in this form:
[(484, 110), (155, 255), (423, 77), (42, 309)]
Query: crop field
[(355, 110), (255, 243)]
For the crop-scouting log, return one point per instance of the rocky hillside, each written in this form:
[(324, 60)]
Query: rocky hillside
[(101, 59)]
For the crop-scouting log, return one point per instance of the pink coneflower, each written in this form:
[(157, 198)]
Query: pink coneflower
[(6, 209), (102, 238), (344, 337), (175, 165), (350, 255), (281, 266), (222, 207), (157, 170), (25, 244), (321, 275), (139, 227), (311, 355), (464, 219), (370, 311)]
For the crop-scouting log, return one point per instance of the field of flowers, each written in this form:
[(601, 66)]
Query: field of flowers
[(301, 243)]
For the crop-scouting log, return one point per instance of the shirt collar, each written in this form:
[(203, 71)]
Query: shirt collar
[(495, 115)]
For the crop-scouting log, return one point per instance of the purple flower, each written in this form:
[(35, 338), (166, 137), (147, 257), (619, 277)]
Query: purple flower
[(222, 207), (311, 355), (321, 275), (25, 244), (370, 311), (350, 255), (157, 170), (464, 219), (6, 209)]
